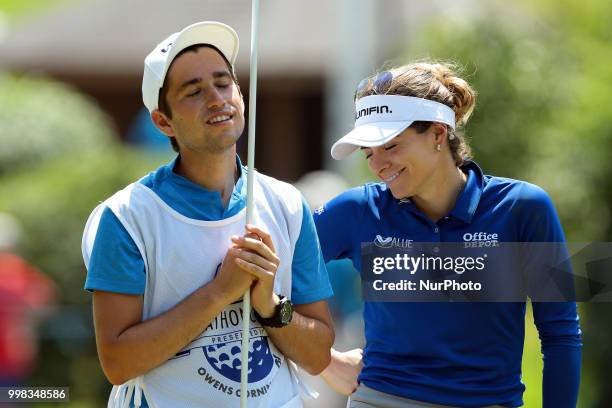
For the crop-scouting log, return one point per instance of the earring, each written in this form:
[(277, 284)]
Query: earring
[(438, 147)]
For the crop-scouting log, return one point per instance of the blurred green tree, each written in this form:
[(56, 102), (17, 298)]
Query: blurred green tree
[(43, 119), (543, 71), (15, 9), (60, 158), (53, 201)]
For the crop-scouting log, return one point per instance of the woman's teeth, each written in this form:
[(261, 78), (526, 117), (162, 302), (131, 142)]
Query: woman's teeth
[(392, 177)]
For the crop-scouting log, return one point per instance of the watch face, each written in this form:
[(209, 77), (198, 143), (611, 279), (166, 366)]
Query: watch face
[(286, 312)]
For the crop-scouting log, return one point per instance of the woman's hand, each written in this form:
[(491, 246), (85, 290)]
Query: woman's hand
[(341, 373)]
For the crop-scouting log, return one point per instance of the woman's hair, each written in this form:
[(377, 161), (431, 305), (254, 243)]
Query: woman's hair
[(437, 81)]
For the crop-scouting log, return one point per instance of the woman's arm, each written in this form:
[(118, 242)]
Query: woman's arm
[(560, 335), (557, 322), (342, 372)]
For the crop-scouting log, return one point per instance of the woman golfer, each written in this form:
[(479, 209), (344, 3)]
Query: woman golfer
[(460, 354)]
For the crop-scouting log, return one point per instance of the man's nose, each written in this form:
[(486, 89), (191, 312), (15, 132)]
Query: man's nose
[(214, 99)]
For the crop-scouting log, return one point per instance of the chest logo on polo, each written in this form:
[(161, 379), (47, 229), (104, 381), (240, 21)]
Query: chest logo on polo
[(390, 242), (480, 239)]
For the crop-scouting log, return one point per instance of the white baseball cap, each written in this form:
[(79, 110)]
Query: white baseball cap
[(380, 118), (156, 64)]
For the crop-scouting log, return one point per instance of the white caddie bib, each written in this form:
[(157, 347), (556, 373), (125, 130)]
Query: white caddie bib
[(182, 254)]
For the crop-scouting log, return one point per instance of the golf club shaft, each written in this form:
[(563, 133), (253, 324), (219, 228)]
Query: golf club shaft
[(246, 314)]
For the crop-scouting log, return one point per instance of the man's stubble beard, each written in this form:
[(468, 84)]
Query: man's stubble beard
[(219, 147), (214, 146)]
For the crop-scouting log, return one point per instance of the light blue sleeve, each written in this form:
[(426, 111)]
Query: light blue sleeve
[(310, 282), (115, 264)]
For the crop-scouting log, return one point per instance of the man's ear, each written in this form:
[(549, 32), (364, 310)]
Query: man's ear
[(162, 122)]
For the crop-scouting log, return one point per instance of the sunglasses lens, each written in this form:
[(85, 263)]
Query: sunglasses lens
[(363, 85), (382, 82)]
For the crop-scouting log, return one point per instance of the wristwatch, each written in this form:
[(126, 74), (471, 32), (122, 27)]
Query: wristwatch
[(283, 313)]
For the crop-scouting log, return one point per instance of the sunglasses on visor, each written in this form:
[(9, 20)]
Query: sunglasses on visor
[(374, 85)]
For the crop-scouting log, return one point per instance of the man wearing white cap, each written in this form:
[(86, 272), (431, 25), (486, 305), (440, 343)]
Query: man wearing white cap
[(169, 256)]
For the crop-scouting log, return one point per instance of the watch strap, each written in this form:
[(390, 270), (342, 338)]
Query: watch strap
[(276, 319)]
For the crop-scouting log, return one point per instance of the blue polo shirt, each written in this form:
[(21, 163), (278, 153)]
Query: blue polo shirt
[(457, 354)]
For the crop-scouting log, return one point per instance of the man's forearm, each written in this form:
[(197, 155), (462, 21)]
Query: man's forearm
[(306, 341), (146, 345)]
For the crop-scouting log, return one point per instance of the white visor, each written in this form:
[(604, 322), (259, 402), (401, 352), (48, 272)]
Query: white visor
[(379, 118)]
